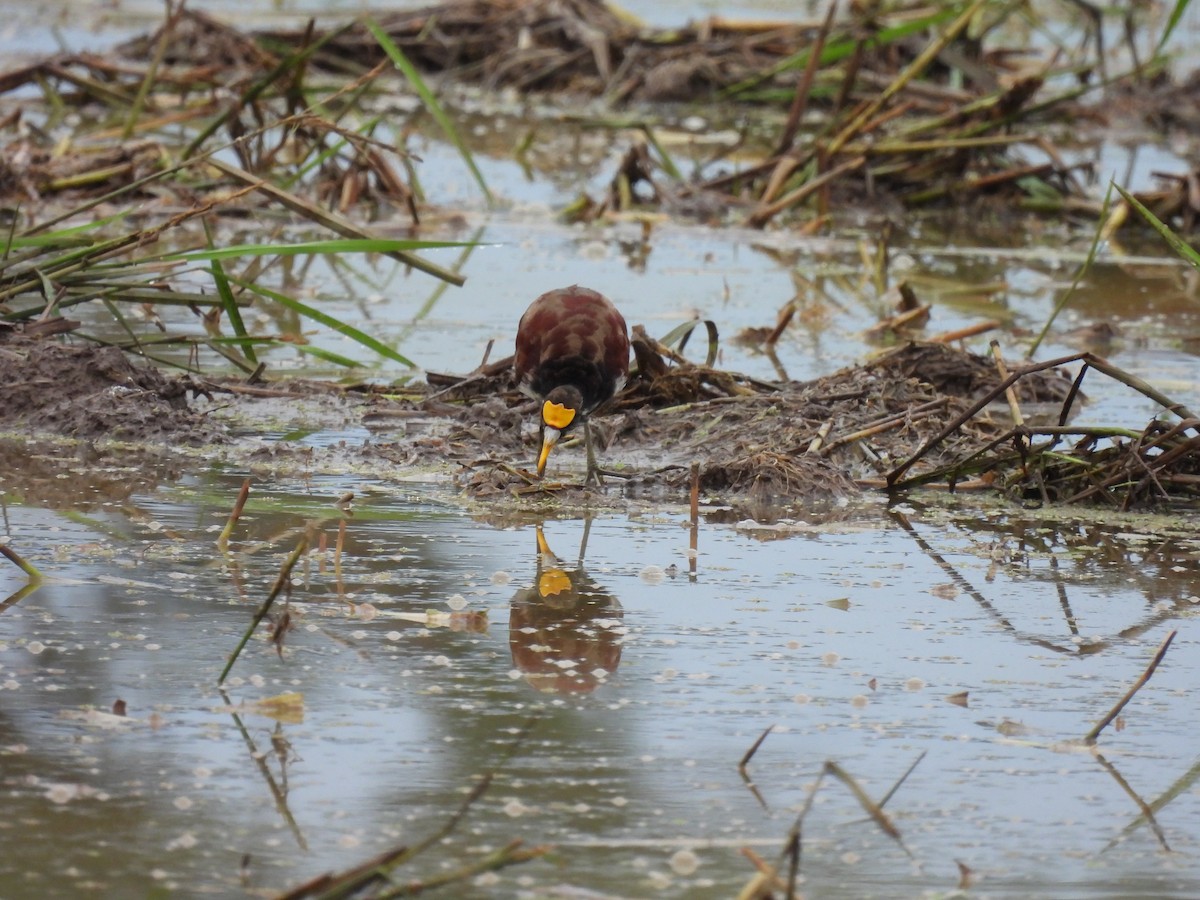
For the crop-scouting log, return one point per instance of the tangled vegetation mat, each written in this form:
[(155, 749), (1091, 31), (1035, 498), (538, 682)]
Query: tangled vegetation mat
[(922, 413)]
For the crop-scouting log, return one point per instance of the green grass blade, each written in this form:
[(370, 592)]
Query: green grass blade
[(335, 245), (439, 290), (1084, 268), (1176, 14), (1178, 244), (315, 162), (668, 164), (124, 323), (63, 237), (229, 304), (328, 321), (329, 356), (410, 72), (836, 51), (160, 52)]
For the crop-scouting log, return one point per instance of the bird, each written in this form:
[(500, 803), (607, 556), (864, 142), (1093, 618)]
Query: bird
[(572, 353), (564, 630)]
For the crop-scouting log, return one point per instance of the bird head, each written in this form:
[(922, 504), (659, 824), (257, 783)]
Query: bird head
[(560, 412)]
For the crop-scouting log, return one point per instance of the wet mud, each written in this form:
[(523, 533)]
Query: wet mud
[(91, 393)]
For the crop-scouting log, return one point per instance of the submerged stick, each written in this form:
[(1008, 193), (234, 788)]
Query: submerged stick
[(873, 809), (1090, 737), (278, 794), (280, 582), (786, 313), (337, 555), (25, 566), (20, 594), (754, 749), (513, 854), (694, 531), (793, 845), (903, 778)]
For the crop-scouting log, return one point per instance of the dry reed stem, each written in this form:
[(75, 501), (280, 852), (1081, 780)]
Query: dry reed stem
[(280, 582), (765, 880), (331, 220), (749, 754), (915, 68), (959, 334), (1090, 737), (1089, 360), (1010, 392), (786, 313), (765, 212), (337, 555)]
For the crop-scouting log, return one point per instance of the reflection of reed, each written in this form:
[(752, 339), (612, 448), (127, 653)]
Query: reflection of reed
[(563, 629), (1151, 616), (1182, 785), (283, 755)]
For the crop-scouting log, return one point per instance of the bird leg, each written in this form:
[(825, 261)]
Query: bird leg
[(593, 471), (595, 474)]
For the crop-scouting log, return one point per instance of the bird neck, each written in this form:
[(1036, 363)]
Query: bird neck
[(581, 374)]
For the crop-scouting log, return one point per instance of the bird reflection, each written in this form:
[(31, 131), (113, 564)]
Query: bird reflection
[(565, 631)]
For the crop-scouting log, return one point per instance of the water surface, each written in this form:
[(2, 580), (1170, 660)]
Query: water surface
[(984, 646)]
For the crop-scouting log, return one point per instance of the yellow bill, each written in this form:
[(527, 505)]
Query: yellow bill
[(549, 439)]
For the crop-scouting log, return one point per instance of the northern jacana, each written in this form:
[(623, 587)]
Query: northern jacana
[(573, 355)]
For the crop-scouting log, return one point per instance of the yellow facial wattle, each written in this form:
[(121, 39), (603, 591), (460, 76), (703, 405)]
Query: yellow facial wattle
[(555, 415), (553, 582)]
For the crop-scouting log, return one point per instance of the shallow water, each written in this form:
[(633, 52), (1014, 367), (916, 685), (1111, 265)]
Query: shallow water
[(851, 637), (979, 643)]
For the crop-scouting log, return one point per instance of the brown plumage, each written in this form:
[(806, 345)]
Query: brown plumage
[(573, 355)]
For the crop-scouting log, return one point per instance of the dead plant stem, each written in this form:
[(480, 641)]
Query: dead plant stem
[(749, 754), (234, 514), (915, 68), (23, 564), (331, 220), (280, 583), (1010, 393), (1090, 737)]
